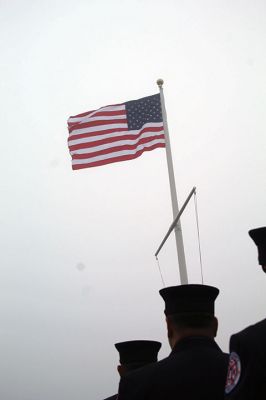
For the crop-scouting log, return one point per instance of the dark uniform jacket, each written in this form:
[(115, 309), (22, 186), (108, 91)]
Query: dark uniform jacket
[(114, 397), (196, 369), (247, 369)]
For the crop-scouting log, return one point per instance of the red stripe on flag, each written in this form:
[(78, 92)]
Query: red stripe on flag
[(109, 113), (96, 123), (116, 159)]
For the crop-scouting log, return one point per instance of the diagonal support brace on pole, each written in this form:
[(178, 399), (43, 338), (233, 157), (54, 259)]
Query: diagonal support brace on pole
[(173, 224)]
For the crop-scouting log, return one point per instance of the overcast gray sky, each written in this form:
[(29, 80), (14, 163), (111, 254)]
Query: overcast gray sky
[(77, 267)]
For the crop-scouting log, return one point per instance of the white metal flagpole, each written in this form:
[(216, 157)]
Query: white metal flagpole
[(178, 230)]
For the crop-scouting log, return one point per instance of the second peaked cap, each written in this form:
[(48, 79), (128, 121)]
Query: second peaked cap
[(138, 351), (192, 298)]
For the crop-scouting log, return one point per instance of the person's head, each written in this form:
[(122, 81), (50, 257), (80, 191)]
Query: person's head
[(259, 237), (189, 311), (135, 354)]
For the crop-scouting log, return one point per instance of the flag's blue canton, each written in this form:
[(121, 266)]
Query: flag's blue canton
[(139, 112)]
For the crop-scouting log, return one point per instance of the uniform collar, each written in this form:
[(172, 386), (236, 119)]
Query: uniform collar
[(194, 341)]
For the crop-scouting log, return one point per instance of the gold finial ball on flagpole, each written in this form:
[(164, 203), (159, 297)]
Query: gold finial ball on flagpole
[(160, 82)]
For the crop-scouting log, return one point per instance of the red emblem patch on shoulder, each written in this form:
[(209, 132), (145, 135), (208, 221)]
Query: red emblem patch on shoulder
[(234, 372)]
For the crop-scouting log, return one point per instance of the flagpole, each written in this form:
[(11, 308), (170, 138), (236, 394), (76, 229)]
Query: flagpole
[(178, 230)]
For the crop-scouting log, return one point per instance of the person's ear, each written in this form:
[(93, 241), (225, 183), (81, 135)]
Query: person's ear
[(121, 370), (170, 331), (215, 326)]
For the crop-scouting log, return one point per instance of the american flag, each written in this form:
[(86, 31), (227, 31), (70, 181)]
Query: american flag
[(116, 133)]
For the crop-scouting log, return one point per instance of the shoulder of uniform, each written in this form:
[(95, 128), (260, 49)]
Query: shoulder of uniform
[(250, 333)]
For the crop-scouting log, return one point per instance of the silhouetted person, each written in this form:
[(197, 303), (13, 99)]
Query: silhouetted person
[(196, 367), (246, 377), (135, 354)]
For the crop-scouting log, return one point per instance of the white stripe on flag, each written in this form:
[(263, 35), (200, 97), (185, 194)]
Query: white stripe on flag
[(105, 117), (91, 113), (117, 143)]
